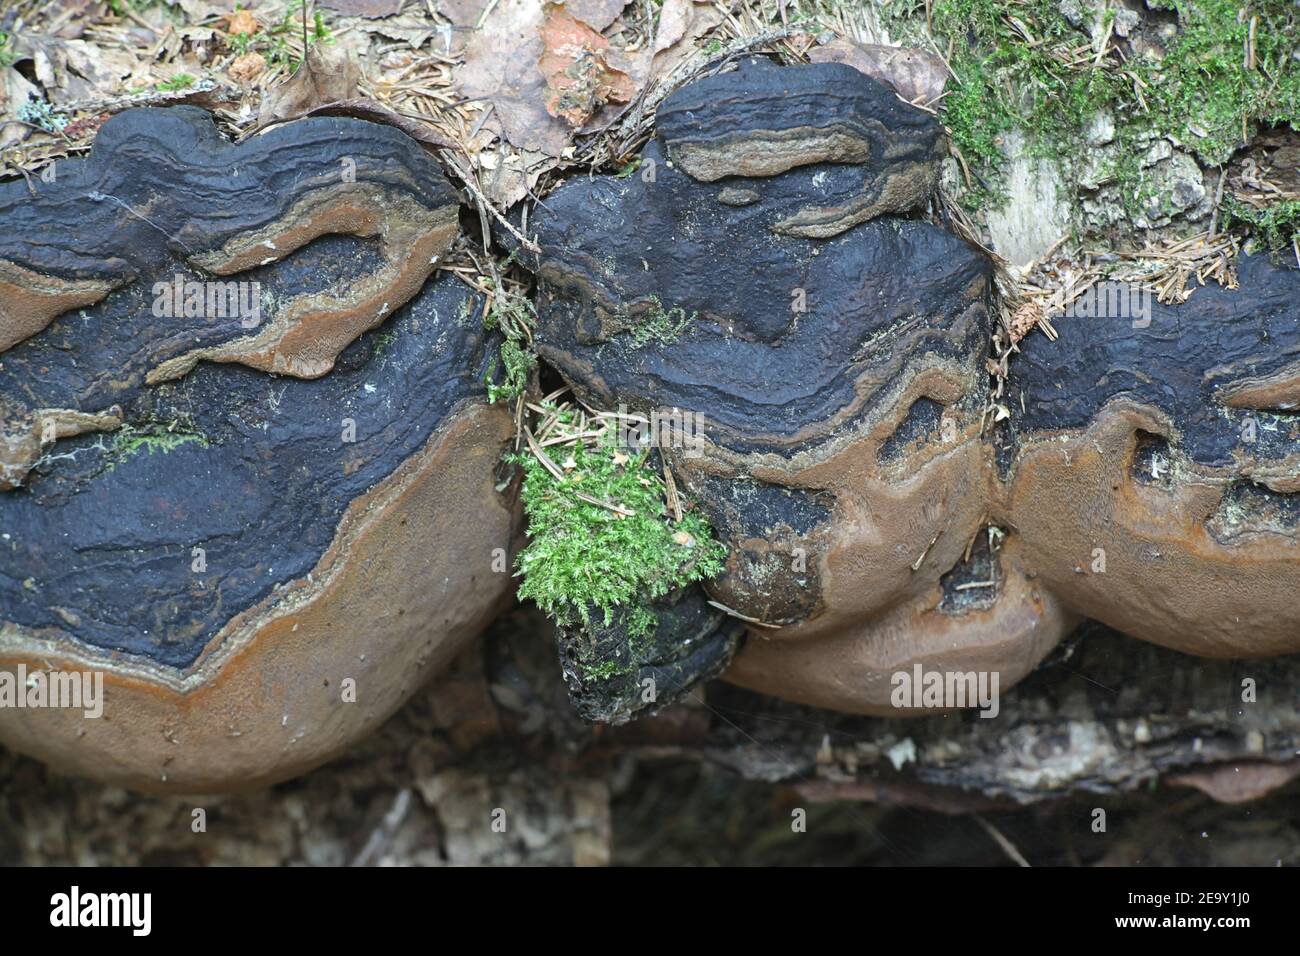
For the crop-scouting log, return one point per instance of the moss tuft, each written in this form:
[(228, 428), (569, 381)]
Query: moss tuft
[(601, 538), (130, 440), (1277, 226), (1025, 66), (513, 316), (660, 326)]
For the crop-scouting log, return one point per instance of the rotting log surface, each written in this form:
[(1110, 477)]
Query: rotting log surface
[(1114, 724)]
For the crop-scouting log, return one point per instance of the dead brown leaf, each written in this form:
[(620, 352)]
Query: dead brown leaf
[(364, 8), (14, 93), (73, 70), (681, 23), (377, 113), (501, 71), (200, 10), (327, 74), (463, 13), (507, 175), (918, 75), (597, 14), (1238, 782), (579, 68), (414, 29)]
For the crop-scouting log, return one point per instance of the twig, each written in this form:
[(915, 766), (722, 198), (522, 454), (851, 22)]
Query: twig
[(617, 509), (1007, 846), (670, 494), (485, 204), (743, 617)]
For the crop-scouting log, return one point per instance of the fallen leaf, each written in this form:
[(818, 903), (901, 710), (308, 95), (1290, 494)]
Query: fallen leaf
[(68, 19), (361, 108), (506, 175), (200, 10), (414, 29), (16, 92), (86, 126), (501, 73), (463, 13), (74, 70), (327, 74), (597, 14), (681, 23), (364, 8), (500, 70), (917, 75), (1240, 781), (579, 69)]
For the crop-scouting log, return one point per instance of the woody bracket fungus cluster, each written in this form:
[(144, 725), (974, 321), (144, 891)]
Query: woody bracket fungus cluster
[(769, 270), (264, 465)]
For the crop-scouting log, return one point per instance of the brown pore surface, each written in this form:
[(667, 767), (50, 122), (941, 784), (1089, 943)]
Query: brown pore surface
[(308, 332), (23, 435), (904, 185), (895, 529), (29, 301), (1168, 579), (1277, 392), (852, 669), (769, 152), (405, 584)]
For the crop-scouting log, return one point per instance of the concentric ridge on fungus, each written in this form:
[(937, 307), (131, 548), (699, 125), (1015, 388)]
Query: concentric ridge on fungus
[(230, 522), (237, 548), (848, 464)]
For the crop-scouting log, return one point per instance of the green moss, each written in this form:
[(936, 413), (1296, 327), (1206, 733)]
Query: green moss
[(384, 339), (1202, 91), (273, 43), (1202, 94), (181, 81), (1277, 226), (606, 670), (130, 440), (583, 556), (659, 325), (513, 316), (8, 56), (516, 363)]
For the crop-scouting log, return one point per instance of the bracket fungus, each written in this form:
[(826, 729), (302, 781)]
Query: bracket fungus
[(289, 517), (187, 512), (1155, 474), (876, 519)]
